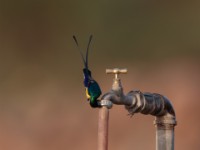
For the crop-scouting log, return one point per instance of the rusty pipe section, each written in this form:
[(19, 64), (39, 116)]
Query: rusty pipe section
[(149, 103), (165, 118), (103, 128), (146, 103)]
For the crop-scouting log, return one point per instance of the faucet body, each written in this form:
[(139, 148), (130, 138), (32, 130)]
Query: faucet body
[(147, 103)]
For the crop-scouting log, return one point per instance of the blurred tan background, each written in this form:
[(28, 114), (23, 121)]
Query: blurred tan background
[(42, 101)]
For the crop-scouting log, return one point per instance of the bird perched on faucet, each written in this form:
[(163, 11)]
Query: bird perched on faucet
[(92, 88)]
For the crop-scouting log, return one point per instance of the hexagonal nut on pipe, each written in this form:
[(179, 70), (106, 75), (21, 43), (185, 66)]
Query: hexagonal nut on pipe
[(105, 103)]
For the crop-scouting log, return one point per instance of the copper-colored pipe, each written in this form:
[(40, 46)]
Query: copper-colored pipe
[(103, 128)]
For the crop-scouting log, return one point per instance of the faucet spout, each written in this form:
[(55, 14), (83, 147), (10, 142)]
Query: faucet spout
[(117, 99), (153, 104), (145, 103)]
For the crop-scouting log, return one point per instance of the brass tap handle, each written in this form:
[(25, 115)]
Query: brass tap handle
[(116, 71)]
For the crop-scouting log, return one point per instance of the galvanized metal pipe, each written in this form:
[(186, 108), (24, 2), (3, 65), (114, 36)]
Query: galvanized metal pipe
[(154, 104), (164, 133), (164, 138), (146, 103)]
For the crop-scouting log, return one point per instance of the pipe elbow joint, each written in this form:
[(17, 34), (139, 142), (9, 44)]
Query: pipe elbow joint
[(145, 103), (153, 104)]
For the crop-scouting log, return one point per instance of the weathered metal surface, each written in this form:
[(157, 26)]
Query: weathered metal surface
[(103, 128), (106, 103), (164, 137), (149, 103), (146, 103)]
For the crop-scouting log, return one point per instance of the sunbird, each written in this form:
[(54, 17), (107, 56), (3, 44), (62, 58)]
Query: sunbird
[(92, 88)]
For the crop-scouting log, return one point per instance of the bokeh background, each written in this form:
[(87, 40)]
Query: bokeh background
[(42, 99)]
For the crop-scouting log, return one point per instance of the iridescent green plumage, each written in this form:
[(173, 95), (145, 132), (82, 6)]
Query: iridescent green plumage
[(93, 90)]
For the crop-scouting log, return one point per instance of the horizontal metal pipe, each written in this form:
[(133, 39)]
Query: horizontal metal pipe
[(149, 103), (146, 103)]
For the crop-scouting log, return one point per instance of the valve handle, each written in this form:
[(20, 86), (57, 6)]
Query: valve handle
[(116, 71)]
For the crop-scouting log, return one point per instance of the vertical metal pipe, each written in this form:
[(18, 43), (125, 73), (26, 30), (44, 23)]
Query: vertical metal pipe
[(164, 138), (165, 133), (145, 103), (103, 128)]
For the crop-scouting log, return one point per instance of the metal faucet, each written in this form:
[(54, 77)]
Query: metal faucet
[(145, 103)]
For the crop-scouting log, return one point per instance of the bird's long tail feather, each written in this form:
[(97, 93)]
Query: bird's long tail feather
[(87, 53), (84, 61)]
